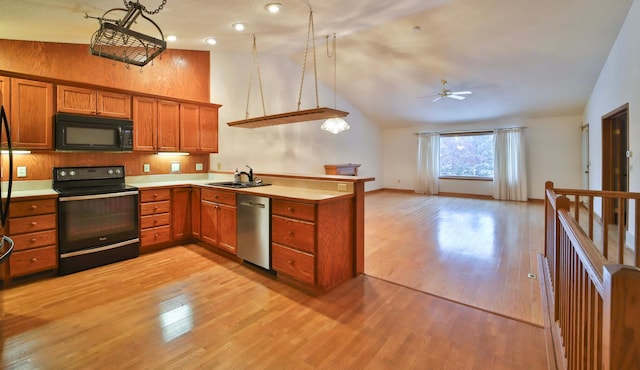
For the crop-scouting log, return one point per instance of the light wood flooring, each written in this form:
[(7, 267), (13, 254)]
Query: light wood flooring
[(187, 307), (476, 252)]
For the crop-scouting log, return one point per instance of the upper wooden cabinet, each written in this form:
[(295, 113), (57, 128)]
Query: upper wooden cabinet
[(31, 117), (156, 125), (198, 128), (5, 94), (94, 102), (145, 123), (168, 125), (209, 129)]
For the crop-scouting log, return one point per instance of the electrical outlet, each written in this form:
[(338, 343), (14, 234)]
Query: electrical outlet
[(342, 187), (146, 167), (175, 167), (219, 165), (22, 171), (199, 167)]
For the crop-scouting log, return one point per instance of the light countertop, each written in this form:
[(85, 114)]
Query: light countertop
[(289, 188)]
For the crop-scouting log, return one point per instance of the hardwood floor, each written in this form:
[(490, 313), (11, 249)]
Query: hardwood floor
[(472, 251), (187, 307)]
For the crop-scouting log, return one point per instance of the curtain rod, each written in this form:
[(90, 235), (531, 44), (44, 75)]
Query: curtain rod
[(467, 132)]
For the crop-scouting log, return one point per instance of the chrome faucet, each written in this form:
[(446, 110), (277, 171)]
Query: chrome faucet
[(249, 174)]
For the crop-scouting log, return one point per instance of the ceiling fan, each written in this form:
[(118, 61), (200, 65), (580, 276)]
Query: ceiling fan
[(446, 93)]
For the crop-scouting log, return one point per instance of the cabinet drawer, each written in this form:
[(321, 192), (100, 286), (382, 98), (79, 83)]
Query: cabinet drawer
[(293, 263), (33, 260), (155, 208), (219, 196), (32, 207), (301, 211), (155, 235), (292, 233), (30, 224), (34, 240), (154, 220), (155, 195)]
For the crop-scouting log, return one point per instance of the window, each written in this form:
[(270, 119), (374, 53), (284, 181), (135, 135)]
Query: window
[(467, 155)]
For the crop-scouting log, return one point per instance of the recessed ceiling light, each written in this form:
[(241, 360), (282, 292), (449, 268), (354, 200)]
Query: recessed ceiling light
[(171, 38), (273, 7), (238, 26), (211, 41)]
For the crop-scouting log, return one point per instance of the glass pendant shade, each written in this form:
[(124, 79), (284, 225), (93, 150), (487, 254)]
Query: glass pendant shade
[(335, 125)]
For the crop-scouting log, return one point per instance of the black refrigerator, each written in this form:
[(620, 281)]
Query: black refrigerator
[(6, 244)]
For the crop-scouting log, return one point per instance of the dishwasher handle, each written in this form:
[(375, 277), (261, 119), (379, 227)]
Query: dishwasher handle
[(252, 204)]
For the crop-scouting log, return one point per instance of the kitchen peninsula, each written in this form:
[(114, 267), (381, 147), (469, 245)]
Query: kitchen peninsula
[(317, 222)]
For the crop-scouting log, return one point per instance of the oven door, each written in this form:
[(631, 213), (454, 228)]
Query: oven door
[(90, 221)]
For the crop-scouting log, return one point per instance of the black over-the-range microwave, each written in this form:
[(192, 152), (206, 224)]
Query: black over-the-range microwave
[(91, 133)]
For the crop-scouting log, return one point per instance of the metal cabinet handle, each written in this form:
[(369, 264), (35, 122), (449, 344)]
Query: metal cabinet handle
[(34, 259), (33, 240), (290, 262), (34, 206), (33, 223)]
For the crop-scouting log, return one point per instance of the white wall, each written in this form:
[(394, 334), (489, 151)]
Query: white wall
[(553, 154), (618, 84), (300, 148)]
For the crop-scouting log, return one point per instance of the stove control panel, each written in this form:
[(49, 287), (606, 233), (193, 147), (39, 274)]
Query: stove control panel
[(88, 173)]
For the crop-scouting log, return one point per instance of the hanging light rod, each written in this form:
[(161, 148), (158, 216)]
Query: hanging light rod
[(289, 117)]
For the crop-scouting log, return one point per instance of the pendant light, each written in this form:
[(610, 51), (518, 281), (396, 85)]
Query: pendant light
[(337, 124)]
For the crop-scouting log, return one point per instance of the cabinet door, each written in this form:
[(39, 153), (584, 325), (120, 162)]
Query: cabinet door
[(195, 213), (209, 129), (76, 100), (113, 105), (227, 227), (181, 213), (31, 114), (5, 95), (209, 222), (189, 127), (168, 126), (145, 122)]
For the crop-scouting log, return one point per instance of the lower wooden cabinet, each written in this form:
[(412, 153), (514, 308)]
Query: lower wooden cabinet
[(313, 243), (218, 219), (165, 216), (32, 225), (155, 217), (181, 213)]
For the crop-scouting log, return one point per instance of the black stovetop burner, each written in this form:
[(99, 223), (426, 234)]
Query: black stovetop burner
[(71, 181)]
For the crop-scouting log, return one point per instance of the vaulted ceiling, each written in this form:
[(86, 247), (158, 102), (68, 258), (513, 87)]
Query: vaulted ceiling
[(518, 57)]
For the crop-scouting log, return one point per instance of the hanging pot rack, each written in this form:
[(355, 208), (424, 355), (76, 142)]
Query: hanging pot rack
[(314, 114), (117, 41)]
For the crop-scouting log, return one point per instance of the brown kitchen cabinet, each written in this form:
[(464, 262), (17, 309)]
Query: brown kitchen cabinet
[(195, 213), (218, 219), (181, 213), (313, 243), (198, 128), (77, 100), (156, 124), (5, 95), (31, 116), (32, 225), (155, 217)]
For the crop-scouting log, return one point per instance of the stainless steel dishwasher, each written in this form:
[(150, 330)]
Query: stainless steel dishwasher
[(254, 229)]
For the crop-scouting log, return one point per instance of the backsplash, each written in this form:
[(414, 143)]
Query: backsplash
[(39, 166)]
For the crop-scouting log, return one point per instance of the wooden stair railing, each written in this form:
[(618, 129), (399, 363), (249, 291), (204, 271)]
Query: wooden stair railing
[(596, 304)]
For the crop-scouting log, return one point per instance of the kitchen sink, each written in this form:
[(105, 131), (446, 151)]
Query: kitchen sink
[(236, 185)]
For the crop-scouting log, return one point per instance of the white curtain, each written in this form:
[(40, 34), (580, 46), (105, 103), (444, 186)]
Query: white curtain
[(428, 163), (510, 173)]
